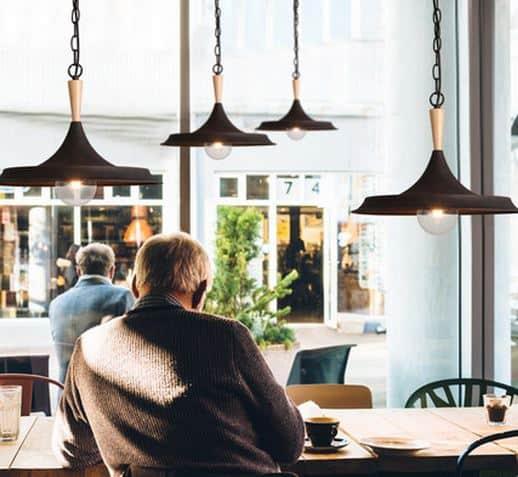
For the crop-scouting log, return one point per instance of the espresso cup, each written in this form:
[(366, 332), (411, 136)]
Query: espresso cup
[(321, 430)]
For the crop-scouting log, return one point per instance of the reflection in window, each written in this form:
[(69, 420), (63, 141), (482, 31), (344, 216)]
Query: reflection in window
[(228, 187), (360, 287), (257, 187), (6, 192), (121, 191), (30, 245), (151, 191), (32, 192), (124, 228)]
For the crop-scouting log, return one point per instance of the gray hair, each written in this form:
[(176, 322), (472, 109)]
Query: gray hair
[(171, 262), (95, 259)]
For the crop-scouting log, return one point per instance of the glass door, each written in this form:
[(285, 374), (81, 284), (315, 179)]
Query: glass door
[(300, 246)]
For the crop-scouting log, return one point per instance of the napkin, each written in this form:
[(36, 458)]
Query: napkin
[(310, 409)]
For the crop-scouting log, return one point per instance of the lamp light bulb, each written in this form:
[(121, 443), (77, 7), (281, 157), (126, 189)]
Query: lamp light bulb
[(75, 192), (437, 221), (296, 134), (218, 150)]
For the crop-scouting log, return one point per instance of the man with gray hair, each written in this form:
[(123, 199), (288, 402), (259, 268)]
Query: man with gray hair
[(167, 390), (93, 298)]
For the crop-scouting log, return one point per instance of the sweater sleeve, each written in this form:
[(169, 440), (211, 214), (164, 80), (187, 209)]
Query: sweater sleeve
[(276, 418), (73, 442)]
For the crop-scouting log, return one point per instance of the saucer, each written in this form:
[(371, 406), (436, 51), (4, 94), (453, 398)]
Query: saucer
[(338, 443), (393, 445)]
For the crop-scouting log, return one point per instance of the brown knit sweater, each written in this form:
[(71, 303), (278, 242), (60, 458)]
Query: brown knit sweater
[(166, 387)]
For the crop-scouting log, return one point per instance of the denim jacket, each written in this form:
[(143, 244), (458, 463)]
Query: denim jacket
[(92, 299)]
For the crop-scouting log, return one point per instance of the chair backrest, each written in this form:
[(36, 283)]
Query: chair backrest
[(320, 365), (26, 381), (332, 396), (457, 392), (479, 442)]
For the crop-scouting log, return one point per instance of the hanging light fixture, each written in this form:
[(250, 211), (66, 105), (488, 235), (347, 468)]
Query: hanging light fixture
[(437, 198), (76, 169), (218, 135), (138, 230), (296, 122)]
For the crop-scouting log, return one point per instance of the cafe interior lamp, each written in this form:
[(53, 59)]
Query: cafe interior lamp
[(296, 122), (217, 135), (138, 230), (76, 169), (437, 198)]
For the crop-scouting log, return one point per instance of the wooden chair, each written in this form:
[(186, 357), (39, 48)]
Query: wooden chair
[(479, 442), (332, 396), (458, 392), (26, 381), (320, 365)]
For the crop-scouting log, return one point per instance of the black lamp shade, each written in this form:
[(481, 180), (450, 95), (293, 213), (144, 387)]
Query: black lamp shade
[(437, 188), (76, 160), (296, 118), (218, 129)]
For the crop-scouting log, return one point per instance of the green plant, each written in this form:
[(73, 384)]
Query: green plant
[(235, 293)]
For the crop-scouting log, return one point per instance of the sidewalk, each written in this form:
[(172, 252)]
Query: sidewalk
[(367, 361)]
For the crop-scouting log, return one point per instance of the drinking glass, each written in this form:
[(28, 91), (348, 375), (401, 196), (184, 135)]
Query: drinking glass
[(496, 408), (10, 411)]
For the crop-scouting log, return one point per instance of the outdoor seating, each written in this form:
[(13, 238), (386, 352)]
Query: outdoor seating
[(27, 381), (457, 392), (332, 396), (320, 365)]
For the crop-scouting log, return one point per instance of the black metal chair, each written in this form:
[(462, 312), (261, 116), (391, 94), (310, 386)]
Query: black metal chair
[(320, 365), (479, 442), (457, 392)]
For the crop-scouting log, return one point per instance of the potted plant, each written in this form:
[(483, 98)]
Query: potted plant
[(236, 294)]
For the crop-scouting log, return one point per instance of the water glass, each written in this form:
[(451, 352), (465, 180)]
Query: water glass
[(10, 411), (496, 408)]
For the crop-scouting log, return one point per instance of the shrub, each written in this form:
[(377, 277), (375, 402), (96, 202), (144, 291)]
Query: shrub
[(235, 294)]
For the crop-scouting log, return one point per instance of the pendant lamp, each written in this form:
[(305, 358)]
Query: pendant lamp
[(296, 122), (138, 230), (218, 135), (76, 169), (437, 198)]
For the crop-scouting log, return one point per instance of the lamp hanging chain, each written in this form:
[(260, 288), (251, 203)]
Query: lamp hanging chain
[(217, 69), (296, 72), (75, 70), (437, 97)]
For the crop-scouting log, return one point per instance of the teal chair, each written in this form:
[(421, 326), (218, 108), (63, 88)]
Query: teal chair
[(457, 392), (479, 442), (320, 365)]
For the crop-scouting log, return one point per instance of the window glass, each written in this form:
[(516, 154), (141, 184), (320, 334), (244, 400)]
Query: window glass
[(228, 187), (34, 241), (32, 192), (380, 283), (257, 187), (153, 191), (121, 191), (506, 183), (7, 192), (124, 229), (36, 265)]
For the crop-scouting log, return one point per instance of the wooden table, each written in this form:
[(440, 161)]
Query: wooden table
[(448, 430)]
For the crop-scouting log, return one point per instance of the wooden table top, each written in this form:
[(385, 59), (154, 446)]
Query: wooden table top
[(449, 432)]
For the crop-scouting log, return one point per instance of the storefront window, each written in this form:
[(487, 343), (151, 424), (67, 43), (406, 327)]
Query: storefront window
[(228, 187), (32, 239), (153, 191), (257, 187), (38, 242), (122, 228)]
